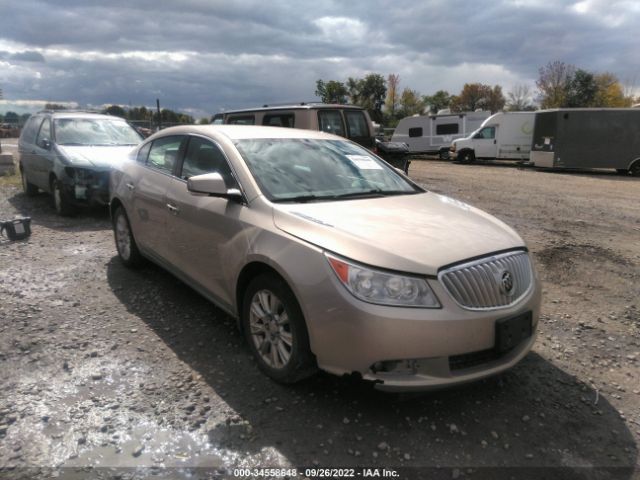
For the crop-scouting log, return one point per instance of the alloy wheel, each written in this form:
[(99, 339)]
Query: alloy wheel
[(270, 329)]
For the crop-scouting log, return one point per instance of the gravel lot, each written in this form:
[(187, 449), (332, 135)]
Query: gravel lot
[(101, 366)]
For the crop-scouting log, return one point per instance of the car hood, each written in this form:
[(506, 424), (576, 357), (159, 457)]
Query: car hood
[(95, 156), (412, 233)]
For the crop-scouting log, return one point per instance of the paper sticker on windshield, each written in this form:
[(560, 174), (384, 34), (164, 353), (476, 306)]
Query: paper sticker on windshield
[(364, 162)]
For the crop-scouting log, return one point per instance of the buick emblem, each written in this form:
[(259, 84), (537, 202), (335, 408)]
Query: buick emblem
[(506, 282)]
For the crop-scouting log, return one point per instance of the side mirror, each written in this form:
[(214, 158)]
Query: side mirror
[(45, 143), (212, 184)]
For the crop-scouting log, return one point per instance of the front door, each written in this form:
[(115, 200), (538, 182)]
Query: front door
[(205, 232), (485, 143), (149, 203)]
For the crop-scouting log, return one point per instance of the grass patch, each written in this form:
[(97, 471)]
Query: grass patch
[(13, 180)]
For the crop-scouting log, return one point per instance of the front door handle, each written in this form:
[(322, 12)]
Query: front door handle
[(173, 209), (131, 186), (494, 142)]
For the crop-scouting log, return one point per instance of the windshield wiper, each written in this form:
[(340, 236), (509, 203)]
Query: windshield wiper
[(374, 192), (302, 198)]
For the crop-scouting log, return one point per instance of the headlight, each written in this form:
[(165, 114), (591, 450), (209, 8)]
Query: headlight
[(383, 288)]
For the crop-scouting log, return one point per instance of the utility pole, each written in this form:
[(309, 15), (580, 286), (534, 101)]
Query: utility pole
[(159, 117)]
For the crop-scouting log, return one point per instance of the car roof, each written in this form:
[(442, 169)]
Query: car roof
[(295, 106), (240, 132), (79, 114)]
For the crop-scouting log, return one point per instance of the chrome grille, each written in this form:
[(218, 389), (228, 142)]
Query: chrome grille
[(483, 284)]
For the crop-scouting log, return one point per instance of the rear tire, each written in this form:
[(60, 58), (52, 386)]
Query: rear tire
[(125, 243), (635, 169), (444, 154), (61, 201), (275, 330), (29, 189)]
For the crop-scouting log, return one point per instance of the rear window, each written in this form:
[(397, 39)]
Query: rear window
[(330, 121), (164, 152), (415, 132), (447, 129), (357, 124), (241, 120), (279, 120)]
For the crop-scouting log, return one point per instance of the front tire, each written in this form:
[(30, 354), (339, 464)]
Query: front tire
[(444, 154), (275, 330), (125, 243), (28, 188), (61, 201), (466, 156), (635, 169)]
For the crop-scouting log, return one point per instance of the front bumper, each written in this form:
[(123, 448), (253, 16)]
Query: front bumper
[(91, 187), (403, 348)]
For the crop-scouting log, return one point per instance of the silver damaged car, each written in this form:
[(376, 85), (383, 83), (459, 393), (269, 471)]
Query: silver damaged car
[(328, 257)]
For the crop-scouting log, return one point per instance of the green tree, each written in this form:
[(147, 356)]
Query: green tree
[(368, 92), (115, 110), (204, 121), (552, 83), (476, 96), (331, 91), (581, 89), (438, 101), (410, 103), (54, 106)]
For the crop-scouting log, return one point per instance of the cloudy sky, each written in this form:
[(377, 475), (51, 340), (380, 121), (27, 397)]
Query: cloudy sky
[(203, 56)]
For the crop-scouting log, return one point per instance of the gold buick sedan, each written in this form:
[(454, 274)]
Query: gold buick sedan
[(328, 257)]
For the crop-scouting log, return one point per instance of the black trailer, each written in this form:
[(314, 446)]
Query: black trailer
[(587, 138)]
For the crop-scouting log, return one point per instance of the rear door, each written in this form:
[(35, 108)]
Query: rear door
[(205, 233), (44, 156), (26, 146), (149, 208)]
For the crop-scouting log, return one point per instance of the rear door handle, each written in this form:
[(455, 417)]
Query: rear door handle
[(131, 186), (173, 209)]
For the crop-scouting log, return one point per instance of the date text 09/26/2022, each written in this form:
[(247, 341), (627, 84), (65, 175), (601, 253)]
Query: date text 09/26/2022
[(316, 472)]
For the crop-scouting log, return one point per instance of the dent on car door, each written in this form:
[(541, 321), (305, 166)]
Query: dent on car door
[(148, 208), (205, 233)]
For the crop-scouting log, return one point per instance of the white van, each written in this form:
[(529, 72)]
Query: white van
[(505, 135), (434, 133)]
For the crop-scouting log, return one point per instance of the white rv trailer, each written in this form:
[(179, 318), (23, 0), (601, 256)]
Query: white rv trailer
[(434, 133), (505, 136)]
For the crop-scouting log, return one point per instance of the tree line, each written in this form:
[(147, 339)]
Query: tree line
[(559, 85)]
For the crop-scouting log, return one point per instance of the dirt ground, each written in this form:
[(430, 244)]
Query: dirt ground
[(133, 374)]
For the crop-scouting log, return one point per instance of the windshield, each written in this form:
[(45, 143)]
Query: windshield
[(294, 169), (94, 131)]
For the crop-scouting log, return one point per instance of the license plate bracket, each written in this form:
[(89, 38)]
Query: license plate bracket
[(513, 330)]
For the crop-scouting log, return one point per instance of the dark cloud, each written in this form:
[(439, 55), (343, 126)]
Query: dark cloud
[(206, 55)]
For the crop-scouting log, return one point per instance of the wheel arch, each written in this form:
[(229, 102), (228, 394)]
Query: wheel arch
[(250, 271), (634, 164)]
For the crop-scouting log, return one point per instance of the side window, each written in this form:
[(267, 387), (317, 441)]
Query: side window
[(279, 120), (357, 124), (487, 133), (447, 129), (218, 119), (143, 153), (204, 157), (415, 132), (30, 131), (45, 131), (330, 121), (241, 120), (164, 152)]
